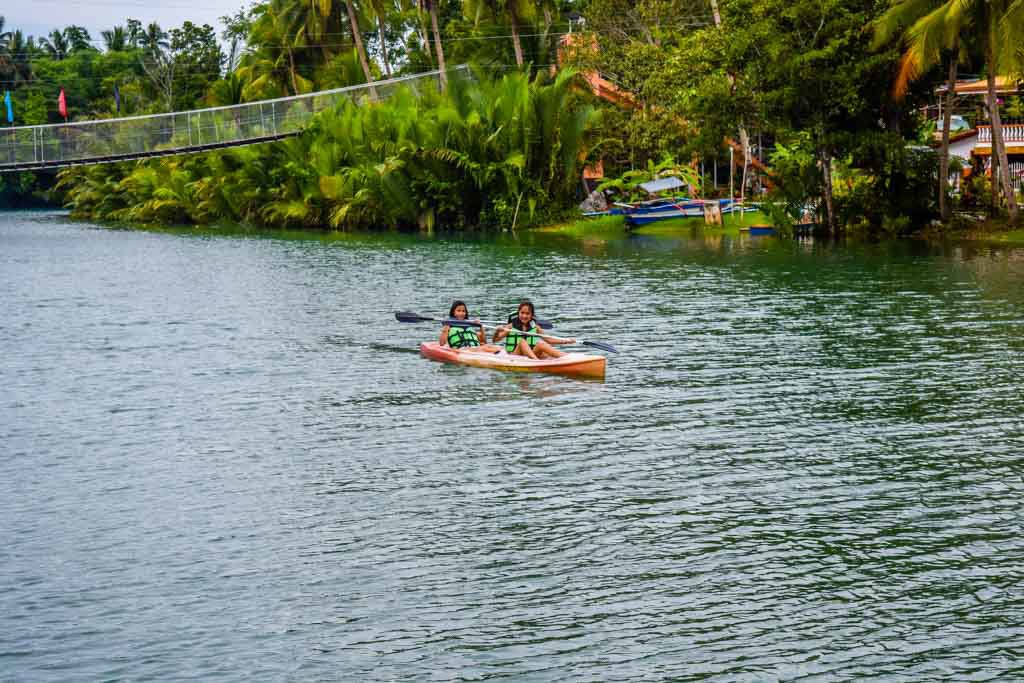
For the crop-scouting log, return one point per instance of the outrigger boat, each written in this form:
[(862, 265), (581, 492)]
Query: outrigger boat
[(665, 208), (654, 210)]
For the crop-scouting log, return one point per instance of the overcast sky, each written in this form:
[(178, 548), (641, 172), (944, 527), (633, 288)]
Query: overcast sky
[(39, 17)]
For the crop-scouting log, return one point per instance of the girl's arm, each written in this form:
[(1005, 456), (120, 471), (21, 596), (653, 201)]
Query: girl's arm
[(555, 340), (501, 333), (443, 341), (480, 334)]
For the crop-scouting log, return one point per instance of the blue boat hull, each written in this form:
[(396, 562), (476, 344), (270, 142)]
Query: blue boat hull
[(667, 210)]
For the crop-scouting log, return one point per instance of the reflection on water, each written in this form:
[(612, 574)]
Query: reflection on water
[(224, 458)]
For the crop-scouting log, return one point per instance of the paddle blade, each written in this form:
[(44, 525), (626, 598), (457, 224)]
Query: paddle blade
[(410, 317), (599, 345)]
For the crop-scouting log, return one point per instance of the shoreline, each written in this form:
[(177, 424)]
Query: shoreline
[(987, 231)]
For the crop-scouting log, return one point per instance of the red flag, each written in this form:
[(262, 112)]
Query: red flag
[(62, 105)]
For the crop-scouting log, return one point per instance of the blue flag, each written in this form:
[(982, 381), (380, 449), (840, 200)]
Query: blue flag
[(10, 108)]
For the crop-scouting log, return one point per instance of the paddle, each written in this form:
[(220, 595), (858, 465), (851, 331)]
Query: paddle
[(604, 346), (410, 317)]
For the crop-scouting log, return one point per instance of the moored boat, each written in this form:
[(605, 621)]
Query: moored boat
[(665, 209), (571, 364)]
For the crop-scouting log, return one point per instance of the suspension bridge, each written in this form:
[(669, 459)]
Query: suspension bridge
[(29, 148)]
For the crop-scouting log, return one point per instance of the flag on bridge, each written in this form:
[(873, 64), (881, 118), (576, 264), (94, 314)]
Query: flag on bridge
[(10, 108), (117, 99), (62, 105)]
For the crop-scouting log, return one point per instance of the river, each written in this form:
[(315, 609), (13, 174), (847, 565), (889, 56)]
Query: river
[(222, 458)]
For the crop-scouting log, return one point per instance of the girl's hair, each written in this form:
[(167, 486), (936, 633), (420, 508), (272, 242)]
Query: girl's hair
[(514, 318), (456, 304)]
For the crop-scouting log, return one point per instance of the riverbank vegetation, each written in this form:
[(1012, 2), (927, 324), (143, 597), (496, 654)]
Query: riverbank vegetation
[(815, 108), (484, 152)]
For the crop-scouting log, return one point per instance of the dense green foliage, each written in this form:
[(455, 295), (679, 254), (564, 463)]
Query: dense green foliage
[(502, 153), (804, 80)]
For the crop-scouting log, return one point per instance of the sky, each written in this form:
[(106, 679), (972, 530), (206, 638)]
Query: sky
[(39, 17)]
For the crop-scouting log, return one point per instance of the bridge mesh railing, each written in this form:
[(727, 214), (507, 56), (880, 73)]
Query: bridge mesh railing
[(67, 144)]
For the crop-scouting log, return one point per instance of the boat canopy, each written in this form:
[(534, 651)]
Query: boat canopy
[(662, 184)]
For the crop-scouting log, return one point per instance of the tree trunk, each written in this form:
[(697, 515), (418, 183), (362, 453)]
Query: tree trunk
[(360, 48), (745, 142), (998, 146), (383, 45), (715, 12), (425, 39), (947, 118), (544, 36), (732, 89), (291, 71), (437, 44), (826, 170), (514, 20)]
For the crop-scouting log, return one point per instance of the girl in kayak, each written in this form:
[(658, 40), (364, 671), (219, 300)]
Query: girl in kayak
[(529, 345), (457, 337)]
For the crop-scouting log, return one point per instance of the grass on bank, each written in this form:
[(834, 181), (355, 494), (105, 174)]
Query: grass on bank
[(731, 225)]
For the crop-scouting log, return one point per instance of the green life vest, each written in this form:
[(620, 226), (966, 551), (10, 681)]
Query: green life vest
[(461, 337), (514, 335)]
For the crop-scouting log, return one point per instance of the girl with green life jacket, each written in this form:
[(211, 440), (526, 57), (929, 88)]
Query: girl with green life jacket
[(531, 344), (470, 338)]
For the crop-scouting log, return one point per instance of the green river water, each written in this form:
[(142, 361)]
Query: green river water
[(221, 458)]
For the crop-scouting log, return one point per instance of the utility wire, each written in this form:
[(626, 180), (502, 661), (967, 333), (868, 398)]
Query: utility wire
[(453, 39)]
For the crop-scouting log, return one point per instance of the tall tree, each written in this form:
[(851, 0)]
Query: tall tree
[(115, 39), (516, 11), (382, 10), (198, 59), (78, 38), (55, 45), (271, 69), (357, 35), (930, 28), (430, 6), (983, 23), (154, 39), (134, 32)]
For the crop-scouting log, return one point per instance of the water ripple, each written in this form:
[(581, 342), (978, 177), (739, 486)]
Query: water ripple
[(223, 458)]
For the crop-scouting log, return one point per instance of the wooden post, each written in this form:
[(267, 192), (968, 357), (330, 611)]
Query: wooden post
[(732, 165), (712, 212)]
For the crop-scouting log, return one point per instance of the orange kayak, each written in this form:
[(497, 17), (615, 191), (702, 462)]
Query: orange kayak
[(571, 364)]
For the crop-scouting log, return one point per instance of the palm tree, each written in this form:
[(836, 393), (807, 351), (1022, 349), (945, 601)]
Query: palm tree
[(979, 22), (115, 39), (269, 70), (135, 32), (517, 12), (55, 45), (927, 37), (4, 35), (360, 48), (381, 9), (430, 6), (154, 39), (78, 39), (18, 57)]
